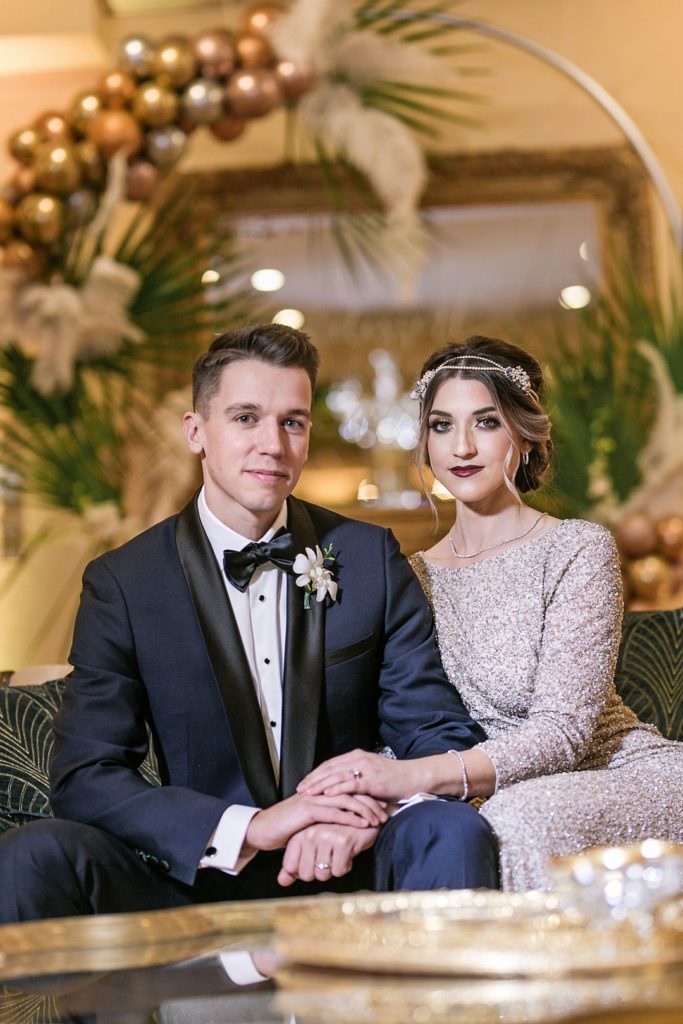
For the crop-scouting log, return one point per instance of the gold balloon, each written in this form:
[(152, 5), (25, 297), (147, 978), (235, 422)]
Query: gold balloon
[(202, 101), (253, 51), (91, 162), (294, 81), (142, 181), (260, 16), (136, 56), (57, 169), (23, 145), (80, 205), (23, 181), (155, 105), (6, 220), (53, 126), (227, 127), (117, 88), (215, 53), (165, 146), (252, 93), (112, 130), (636, 535), (670, 536), (651, 578), (40, 218), (22, 259), (174, 62), (84, 109)]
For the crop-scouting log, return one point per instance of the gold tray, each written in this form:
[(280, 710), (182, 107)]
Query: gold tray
[(486, 934)]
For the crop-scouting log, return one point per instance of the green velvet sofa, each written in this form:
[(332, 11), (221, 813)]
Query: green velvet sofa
[(649, 678)]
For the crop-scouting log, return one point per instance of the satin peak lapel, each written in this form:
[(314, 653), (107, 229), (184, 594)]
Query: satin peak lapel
[(226, 654), (304, 665)]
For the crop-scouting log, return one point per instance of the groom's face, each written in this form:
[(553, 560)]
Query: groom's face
[(253, 442)]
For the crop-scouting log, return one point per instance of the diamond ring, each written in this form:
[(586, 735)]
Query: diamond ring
[(357, 773), (323, 866)]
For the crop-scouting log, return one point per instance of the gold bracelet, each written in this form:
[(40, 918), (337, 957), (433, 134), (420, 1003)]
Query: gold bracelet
[(463, 770)]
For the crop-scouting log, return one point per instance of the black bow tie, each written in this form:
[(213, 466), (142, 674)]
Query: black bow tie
[(240, 566)]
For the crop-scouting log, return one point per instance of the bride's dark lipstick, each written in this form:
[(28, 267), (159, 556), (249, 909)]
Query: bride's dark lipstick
[(466, 470)]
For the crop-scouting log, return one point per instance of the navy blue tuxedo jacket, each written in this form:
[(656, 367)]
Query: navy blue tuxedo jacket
[(156, 643)]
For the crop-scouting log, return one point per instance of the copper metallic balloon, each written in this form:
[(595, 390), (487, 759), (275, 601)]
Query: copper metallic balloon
[(117, 88), (90, 160), (670, 536), (252, 93), (260, 16), (142, 180), (174, 61), (23, 144), (53, 125), (651, 578), (155, 105), (165, 146), (57, 169), (202, 101), (22, 259), (136, 56), (6, 219), (253, 51), (81, 205), (227, 127), (636, 535), (294, 81), (112, 130), (84, 109), (215, 53), (23, 181), (40, 218)]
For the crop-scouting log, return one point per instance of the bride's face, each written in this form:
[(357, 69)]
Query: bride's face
[(470, 450)]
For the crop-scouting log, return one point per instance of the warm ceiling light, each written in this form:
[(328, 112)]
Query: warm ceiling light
[(290, 318), (574, 296), (210, 277), (267, 280)]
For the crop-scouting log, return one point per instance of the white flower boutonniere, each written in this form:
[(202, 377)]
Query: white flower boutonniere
[(313, 574)]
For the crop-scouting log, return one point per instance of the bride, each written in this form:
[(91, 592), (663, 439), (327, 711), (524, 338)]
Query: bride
[(528, 614)]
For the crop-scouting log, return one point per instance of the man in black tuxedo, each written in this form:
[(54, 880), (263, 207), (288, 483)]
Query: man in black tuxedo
[(246, 675)]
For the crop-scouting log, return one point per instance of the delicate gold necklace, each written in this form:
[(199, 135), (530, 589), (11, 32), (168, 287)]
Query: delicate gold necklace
[(498, 544)]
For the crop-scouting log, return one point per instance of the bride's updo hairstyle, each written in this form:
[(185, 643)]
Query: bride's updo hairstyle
[(514, 380)]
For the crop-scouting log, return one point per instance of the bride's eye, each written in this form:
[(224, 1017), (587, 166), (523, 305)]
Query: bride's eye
[(439, 426), (488, 423)]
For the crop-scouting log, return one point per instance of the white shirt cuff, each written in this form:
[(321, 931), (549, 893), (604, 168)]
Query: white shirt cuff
[(239, 967), (224, 848), (417, 798)]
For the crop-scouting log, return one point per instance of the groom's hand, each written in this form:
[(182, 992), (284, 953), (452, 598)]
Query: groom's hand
[(272, 828), (321, 852)]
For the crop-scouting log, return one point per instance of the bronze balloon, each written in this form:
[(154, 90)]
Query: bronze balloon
[(670, 536), (92, 165), (23, 145), (636, 535), (84, 109), (40, 218), (57, 169), (215, 53), (165, 146), (112, 130), (142, 180), (6, 219), (651, 578), (22, 259), (80, 205), (117, 88), (253, 51), (136, 56), (174, 62), (252, 93), (23, 181), (202, 101), (294, 81), (53, 126), (155, 105), (227, 127), (260, 16)]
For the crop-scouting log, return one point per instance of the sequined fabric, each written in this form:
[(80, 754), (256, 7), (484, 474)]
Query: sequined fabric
[(530, 638)]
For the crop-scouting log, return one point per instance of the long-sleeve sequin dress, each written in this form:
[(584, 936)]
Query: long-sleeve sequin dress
[(530, 638)]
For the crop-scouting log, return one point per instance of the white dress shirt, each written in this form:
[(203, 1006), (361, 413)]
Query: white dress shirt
[(261, 615)]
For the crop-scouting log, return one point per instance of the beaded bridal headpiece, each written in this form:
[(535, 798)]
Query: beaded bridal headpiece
[(516, 374)]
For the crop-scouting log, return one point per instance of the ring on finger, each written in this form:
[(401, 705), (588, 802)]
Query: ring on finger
[(357, 773), (323, 866)]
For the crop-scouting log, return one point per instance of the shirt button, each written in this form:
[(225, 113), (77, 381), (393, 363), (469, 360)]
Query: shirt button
[(261, 598), (273, 724), (267, 661)]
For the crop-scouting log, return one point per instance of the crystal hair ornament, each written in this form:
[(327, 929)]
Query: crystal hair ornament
[(517, 375)]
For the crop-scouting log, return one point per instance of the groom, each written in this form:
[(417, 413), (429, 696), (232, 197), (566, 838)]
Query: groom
[(246, 675)]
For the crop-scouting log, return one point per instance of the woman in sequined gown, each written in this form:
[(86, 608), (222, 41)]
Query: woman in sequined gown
[(528, 615)]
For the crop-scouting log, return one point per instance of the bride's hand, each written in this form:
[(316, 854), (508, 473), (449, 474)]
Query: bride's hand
[(359, 771)]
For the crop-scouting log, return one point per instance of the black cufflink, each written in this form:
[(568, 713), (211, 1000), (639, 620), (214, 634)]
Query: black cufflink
[(210, 851)]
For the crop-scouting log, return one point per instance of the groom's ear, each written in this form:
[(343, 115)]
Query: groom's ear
[(193, 429)]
